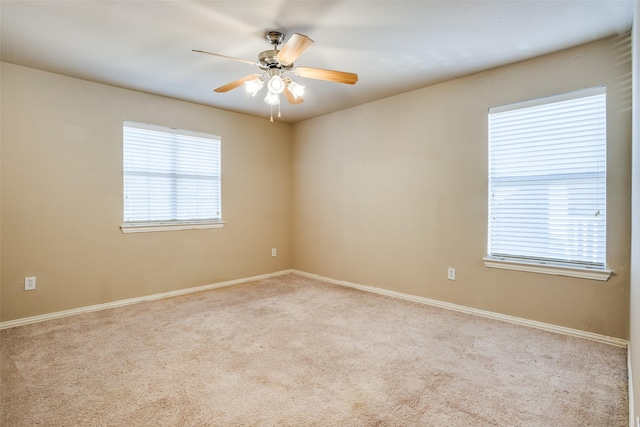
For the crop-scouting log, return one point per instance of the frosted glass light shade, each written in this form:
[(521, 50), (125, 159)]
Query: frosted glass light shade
[(253, 86), (272, 98), (276, 85), (297, 90)]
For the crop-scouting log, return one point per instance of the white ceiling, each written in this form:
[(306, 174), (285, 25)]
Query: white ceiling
[(394, 46)]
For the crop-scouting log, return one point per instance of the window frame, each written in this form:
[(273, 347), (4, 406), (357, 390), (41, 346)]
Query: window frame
[(172, 224), (541, 265)]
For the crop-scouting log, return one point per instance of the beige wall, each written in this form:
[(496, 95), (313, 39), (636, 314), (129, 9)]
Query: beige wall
[(634, 320), (387, 194), (62, 197), (393, 192)]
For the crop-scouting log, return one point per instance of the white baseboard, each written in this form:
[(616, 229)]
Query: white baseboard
[(469, 310), (121, 303), (632, 418)]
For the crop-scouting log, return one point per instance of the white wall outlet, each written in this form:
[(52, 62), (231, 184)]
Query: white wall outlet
[(29, 283), (273, 251), (451, 273)]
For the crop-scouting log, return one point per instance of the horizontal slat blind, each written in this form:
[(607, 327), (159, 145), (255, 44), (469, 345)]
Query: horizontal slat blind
[(170, 175), (547, 180)]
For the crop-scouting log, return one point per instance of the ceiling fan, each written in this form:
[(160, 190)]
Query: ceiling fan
[(276, 66)]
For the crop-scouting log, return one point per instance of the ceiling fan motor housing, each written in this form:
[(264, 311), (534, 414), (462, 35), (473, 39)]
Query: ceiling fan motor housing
[(268, 58)]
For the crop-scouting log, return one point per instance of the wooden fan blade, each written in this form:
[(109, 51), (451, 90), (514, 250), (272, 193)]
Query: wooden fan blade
[(234, 84), (329, 75), (225, 57), (292, 99), (293, 48)]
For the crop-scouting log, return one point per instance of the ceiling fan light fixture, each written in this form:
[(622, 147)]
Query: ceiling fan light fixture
[(274, 63), (276, 85), (272, 98), (254, 86), (297, 90)]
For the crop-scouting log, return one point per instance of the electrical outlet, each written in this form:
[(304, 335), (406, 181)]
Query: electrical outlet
[(29, 283), (451, 273), (273, 252)]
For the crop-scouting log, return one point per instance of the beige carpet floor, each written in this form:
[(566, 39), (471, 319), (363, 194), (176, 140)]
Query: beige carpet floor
[(292, 351)]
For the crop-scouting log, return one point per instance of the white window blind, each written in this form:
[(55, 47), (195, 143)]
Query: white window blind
[(547, 180), (171, 176)]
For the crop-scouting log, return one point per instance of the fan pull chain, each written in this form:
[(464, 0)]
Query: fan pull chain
[(279, 115), (271, 119)]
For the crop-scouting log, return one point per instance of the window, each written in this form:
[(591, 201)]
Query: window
[(171, 179), (547, 185)]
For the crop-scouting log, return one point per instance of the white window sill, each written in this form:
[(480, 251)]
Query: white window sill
[(149, 228), (557, 270)]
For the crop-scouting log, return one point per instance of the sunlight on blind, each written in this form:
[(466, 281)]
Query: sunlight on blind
[(547, 180), (170, 175)]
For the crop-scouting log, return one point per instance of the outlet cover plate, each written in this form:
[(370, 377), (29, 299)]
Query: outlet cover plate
[(30, 283), (451, 273)]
